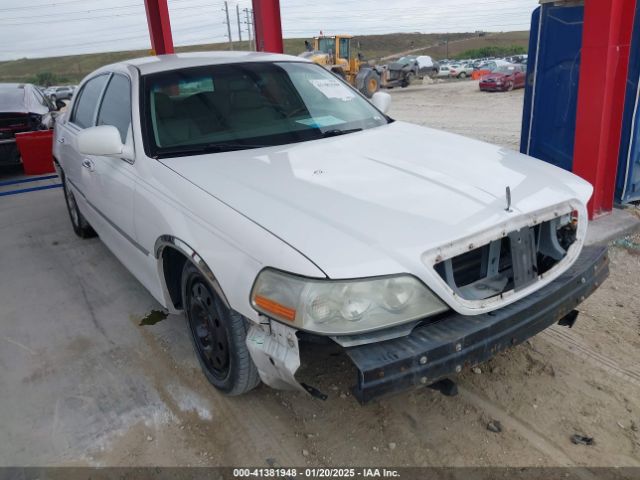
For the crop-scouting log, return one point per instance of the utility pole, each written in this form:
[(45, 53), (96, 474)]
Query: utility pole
[(239, 28), (447, 43), (249, 16), (226, 11)]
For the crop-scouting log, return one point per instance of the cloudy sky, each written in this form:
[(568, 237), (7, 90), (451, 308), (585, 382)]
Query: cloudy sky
[(43, 28)]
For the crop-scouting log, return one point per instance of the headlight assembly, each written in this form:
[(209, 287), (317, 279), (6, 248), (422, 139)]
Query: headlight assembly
[(338, 307)]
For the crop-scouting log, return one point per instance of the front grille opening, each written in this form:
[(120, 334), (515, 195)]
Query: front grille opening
[(510, 263)]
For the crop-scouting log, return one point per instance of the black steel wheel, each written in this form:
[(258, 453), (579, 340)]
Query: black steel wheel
[(80, 225), (218, 335)]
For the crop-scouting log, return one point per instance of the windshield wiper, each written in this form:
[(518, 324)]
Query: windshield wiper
[(335, 132), (208, 148)]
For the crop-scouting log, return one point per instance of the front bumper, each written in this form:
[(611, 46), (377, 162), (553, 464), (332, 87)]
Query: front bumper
[(453, 341), (492, 87)]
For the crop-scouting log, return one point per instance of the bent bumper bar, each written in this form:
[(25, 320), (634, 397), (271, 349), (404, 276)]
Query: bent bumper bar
[(442, 348)]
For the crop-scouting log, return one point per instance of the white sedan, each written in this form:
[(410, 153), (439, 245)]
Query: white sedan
[(275, 205)]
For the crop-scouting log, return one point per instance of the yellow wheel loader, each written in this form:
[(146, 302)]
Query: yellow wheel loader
[(336, 53)]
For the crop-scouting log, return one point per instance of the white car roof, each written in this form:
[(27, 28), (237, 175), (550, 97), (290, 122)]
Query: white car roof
[(160, 63)]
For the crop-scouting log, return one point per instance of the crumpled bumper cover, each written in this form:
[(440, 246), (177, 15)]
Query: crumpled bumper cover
[(441, 349)]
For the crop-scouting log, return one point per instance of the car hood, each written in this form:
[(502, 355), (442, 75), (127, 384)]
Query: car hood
[(495, 76), (370, 203)]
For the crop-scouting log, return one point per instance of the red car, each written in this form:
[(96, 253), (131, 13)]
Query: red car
[(504, 78)]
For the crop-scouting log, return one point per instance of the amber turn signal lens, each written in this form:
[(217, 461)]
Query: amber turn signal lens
[(275, 308)]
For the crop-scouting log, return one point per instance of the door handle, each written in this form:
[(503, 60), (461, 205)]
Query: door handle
[(60, 140), (88, 164)]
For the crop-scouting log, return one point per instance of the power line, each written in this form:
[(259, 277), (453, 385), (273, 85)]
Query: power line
[(31, 7), (97, 17)]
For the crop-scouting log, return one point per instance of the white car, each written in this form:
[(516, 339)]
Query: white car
[(275, 205), (443, 71), (461, 70)]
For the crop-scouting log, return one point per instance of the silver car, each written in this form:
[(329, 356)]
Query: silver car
[(60, 93)]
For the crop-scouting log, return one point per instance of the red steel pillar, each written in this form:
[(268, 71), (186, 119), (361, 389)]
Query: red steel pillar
[(159, 26), (603, 75), (267, 26)]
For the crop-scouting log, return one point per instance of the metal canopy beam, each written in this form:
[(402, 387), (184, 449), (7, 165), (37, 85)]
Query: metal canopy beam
[(159, 26), (267, 26), (604, 64)]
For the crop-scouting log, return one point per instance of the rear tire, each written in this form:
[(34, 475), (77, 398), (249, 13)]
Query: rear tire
[(218, 335), (80, 225)]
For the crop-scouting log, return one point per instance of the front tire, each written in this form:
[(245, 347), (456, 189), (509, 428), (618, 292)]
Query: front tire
[(218, 335), (371, 83), (462, 75), (80, 225), (408, 80)]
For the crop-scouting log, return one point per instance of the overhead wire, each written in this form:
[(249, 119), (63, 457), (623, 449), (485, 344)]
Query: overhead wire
[(452, 15)]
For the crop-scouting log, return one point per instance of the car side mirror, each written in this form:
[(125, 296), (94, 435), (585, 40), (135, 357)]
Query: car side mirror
[(102, 140), (382, 101), (60, 104)]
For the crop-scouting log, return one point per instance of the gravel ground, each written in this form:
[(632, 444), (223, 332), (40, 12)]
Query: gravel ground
[(108, 391), (459, 107)]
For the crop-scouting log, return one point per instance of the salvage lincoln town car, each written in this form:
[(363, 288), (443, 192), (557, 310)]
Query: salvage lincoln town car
[(275, 205)]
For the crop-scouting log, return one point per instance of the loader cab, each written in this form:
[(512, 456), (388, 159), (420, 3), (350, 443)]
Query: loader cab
[(338, 54), (339, 49)]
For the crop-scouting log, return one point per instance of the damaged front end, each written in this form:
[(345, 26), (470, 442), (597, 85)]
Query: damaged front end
[(510, 263), (502, 287), (435, 350)]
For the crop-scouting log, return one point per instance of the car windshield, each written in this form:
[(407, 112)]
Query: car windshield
[(12, 99), (248, 105), (406, 60), (506, 69)]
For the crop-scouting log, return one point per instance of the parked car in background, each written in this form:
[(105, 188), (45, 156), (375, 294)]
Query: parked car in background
[(23, 108), (187, 164), (424, 66), (463, 70), (504, 78), (444, 71), (60, 93), (488, 67), (521, 59), (405, 70)]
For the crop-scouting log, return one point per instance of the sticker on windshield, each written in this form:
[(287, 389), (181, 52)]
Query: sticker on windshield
[(333, 89), (320, 122)]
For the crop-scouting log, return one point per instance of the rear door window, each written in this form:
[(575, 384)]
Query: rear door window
[(115, 108), (85, 109)]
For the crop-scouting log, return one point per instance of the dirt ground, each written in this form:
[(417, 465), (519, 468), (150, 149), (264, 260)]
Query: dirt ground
[(584, 380)]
